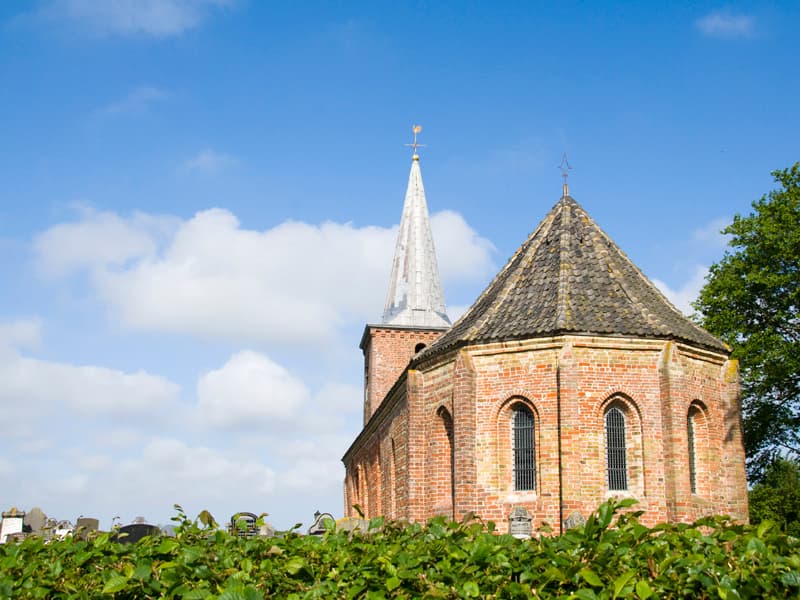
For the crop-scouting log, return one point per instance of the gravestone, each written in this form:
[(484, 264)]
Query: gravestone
[(318, 526), (519, 523), (266, 530), (576, 519), (352, 524), (85, 525), (63, 529), (12, 523), (243, 525), (130, 534), (36, 520)]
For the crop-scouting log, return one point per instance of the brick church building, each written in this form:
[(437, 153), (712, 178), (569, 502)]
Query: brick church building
[(571, 379)]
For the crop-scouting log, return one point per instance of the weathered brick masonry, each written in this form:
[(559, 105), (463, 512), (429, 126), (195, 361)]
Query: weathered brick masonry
[(571, 330)]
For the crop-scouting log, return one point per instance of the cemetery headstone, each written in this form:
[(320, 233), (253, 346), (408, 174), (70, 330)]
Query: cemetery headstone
[(243, 524), (63, 529), (266, 530), (519, 522), (352, 524), (576, 519), (318, 526), (11, 524), (130, 534), (36, 520), (85, 525)]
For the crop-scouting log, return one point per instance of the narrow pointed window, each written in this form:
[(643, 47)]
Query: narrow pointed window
[(690, 431), (524, 449), (616, 450), (446, 450)]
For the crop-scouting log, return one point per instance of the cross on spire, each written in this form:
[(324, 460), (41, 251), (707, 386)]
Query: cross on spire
[(416, 129), (565, 166)]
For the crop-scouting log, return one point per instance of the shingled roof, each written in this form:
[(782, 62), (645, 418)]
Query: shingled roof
[(569, 277)]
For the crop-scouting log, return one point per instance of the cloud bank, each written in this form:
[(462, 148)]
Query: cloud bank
[(76, 429), (207, 276)]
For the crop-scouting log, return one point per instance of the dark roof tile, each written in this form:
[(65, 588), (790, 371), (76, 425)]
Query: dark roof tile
[(569, 277)]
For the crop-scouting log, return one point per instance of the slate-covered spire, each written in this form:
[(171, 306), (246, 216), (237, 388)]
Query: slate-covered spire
[(415, 295)]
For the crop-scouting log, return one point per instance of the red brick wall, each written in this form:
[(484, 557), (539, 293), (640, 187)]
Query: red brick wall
[(568, 383), (387, 352)]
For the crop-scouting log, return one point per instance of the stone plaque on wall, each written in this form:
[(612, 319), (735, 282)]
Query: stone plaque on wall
[(519, 522), (574, 520)]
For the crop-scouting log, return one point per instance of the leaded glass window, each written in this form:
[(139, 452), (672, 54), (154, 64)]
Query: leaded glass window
[(524, 449), (616, 451), (690, 430)]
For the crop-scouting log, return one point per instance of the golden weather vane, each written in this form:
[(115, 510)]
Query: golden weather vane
[(416, 129), (564, 166)]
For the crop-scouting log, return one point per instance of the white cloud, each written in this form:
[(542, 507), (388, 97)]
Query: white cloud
[(6, 467), (37, 397), (295, 283), (136, 101), (456, 311), (159, 18), (50, 410), (22, 333), (338, 398), (170, 470), (40, 387), (249, 391), (724, 24), (711, 234), (33, 446), (462, 254), (99, 239), (117, 438), (209, 161), (313, 472), (683, 296)]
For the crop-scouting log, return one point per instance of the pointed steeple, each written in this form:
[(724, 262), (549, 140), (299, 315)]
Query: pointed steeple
[(415, 295)]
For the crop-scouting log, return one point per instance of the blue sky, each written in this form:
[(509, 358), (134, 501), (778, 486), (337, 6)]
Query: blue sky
[(199, 198)]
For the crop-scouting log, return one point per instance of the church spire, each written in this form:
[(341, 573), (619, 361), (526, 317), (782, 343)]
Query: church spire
[(415, 295)]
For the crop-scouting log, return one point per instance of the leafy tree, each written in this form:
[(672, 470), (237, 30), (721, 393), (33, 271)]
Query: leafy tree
[(777, 496), (751, 300)]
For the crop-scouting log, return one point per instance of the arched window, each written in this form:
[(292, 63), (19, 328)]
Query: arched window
[(440, 459), (419, 347), (691, 431), (616, 450), (524, 449)]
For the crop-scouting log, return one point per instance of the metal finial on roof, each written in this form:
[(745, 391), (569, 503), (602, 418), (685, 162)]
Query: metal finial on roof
[(416, 129), (564, 166)]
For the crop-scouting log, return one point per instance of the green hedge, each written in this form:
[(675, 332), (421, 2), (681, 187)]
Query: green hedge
[(611, 556)]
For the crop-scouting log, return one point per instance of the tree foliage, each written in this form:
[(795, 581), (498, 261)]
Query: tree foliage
[(777, 496), (751, 300), (611, 556)]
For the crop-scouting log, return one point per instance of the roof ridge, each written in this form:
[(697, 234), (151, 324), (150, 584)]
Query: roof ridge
[(563, 266)]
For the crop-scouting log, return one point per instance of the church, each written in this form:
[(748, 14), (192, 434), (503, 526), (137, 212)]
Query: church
[(570, 380)]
